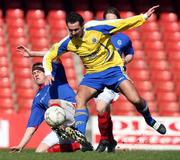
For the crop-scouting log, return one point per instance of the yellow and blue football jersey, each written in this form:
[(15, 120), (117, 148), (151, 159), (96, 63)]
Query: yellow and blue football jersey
[(94, 48)]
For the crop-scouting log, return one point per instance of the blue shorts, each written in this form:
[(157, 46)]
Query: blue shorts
[(110, 78)]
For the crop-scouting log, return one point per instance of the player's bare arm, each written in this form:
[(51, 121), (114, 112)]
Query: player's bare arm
[(28, 53)]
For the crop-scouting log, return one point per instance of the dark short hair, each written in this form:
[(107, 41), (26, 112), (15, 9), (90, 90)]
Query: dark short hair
[(112, 10), (74, 17), (38, 66)]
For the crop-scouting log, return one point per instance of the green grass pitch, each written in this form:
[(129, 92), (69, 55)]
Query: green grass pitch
[(118, 155)]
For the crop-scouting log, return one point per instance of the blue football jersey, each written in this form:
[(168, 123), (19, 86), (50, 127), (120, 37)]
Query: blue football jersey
[(122, 43), (60, 89)]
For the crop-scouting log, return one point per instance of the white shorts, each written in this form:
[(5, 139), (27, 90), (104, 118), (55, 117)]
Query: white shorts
[(107, 96), (69, 112), (52, 139)]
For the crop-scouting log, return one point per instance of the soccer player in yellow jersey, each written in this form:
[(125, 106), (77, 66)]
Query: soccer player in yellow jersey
[(103, 63)]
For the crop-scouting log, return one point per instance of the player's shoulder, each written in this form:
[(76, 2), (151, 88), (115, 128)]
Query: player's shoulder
[(90, 24), (123, 36)]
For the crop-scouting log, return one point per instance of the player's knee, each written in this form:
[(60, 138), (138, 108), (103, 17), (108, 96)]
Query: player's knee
[(101, 107), (40, 150)]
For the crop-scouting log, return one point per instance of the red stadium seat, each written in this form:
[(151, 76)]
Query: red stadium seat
[(99, 14), (57, 34), (36, 23), (4, 62), (175, 65), (139, 75), (38, 33), (168, 17), (144, 85), (3, 51), (171, 36), (126, 14), (171, 46), (16, 32), (148, 95), (55, 15), (166, 97), (23, 83), (161, 76), (133, 34), (123, 108), (17, 41), (35, 14), (25, 93), (139, 55), (6, 103), (149, 27), (37, 59), (40, 44), (140, 64), (24, 103), (1, 22), (22, 72), (168, 108), (86, 14), (2, 41), (1, 31), (5, 82), (156, 55), (15, 13), (153, 107), (151, 36), (176, 75), (6, 92), (170, 27), (15, 23), (152, 45), (21, 62), (4, 72), (159, 65), (137, 45), (166, 86), (60, 24)]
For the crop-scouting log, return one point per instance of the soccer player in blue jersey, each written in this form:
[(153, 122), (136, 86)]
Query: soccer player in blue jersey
[(48, 96), (123, 45), (104, 66)]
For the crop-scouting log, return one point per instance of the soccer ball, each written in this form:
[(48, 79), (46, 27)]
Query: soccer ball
[(54, 116)]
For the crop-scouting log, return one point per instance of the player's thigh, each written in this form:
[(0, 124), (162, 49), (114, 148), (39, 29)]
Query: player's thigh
[(130, 91), (84, 94)]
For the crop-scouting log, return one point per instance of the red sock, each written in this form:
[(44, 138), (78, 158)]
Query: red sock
[(64, 147), (105, 126)]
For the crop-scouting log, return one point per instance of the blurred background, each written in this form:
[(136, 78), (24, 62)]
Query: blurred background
[(37, 24)]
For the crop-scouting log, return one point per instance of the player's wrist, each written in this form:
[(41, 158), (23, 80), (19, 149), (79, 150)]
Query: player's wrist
[(145, 16)]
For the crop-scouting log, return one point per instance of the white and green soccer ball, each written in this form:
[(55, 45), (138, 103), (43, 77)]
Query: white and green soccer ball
[(54, 116)]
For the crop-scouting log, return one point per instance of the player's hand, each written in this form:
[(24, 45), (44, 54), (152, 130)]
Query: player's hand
[(15, 149), (24, 51), (151, 11), (49, 79)]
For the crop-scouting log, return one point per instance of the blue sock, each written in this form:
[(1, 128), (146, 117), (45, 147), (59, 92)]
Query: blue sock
[(147, 115), (81, 118)]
